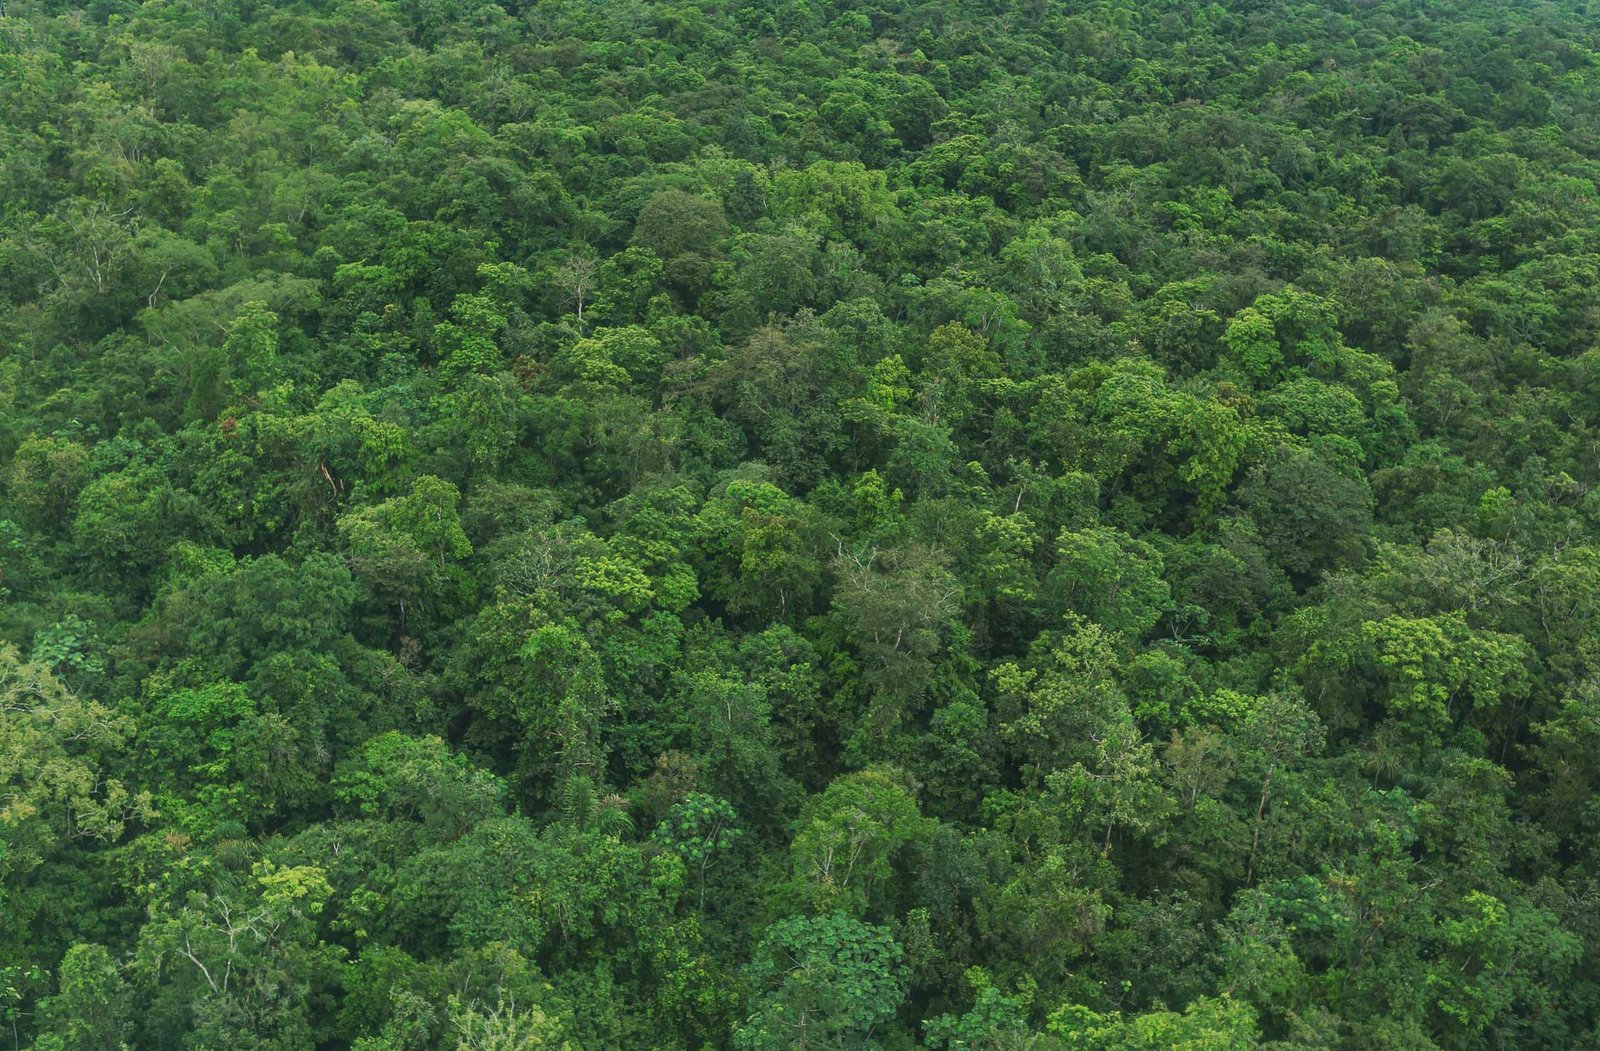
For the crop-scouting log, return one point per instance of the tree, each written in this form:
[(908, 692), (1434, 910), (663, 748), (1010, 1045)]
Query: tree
[(577, 278), (46, 476), (1112, 579), (405, 545), (504, 1027), (698, 829), (398, 778), (760, 550), (239, 960), (849, 839), (686, 232), (1432, 665), (56, 752), (125, 519), (1207, 1024), (1312, 514), (93, 1009), (824, 981), (1064, 697), (251, 349), (899, 605)]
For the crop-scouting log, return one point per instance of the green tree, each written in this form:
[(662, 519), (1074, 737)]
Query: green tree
[(824, 981), (93, 1009), (46, 476), (698, 829), (1111, 578), (849, 839)]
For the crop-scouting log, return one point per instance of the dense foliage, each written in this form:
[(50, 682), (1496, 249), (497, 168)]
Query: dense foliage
[(967, 524)]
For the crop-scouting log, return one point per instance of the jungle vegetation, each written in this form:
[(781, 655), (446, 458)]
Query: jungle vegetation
[(977, 525)]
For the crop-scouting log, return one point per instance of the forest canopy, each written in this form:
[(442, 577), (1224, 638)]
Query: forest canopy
[(976, 525)]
